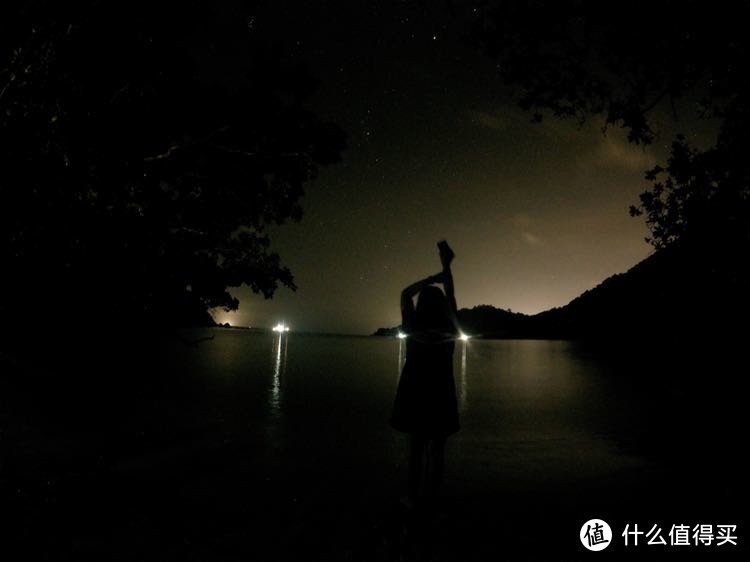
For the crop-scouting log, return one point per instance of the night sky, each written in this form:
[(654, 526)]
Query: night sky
[(536, 213)]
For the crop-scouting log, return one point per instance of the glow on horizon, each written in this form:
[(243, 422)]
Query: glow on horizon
[(461, 336), (281, 328)]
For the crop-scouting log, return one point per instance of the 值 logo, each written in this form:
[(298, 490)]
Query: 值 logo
[(596, 534)]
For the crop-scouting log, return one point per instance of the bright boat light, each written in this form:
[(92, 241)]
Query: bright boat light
[(401, 335), (280, 328), (463, 337)]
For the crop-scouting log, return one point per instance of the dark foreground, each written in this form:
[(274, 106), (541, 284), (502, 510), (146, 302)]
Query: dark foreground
[(122, 471)]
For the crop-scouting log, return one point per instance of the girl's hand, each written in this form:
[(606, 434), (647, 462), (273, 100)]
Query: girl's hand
[(446, 254)]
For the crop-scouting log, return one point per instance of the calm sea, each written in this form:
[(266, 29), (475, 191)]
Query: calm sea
[(254, 446), (531, 411)]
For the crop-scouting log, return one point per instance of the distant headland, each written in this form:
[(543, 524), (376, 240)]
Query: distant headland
[(669, 297)]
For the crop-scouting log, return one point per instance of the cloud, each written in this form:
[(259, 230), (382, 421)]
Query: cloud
[(531, 239), (614, 151), (619, 152), (523, 225)]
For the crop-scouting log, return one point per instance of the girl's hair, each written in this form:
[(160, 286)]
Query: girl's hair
[(432, 312)]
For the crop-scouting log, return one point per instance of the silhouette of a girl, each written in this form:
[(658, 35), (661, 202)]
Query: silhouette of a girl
[(425, 405)]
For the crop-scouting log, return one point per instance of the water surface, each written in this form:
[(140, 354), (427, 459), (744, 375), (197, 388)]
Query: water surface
[(260, 446)]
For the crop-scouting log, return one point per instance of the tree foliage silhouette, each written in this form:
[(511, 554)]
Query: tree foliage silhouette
[(577, 58), (144, 150)]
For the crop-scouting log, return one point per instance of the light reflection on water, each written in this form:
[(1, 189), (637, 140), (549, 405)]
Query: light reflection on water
[(524, 406), (462, 377), (280, 345)]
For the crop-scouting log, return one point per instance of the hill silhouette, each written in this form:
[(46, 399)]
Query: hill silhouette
[(672, 297)]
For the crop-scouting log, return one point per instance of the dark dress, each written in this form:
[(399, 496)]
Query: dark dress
[(425, 401)]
